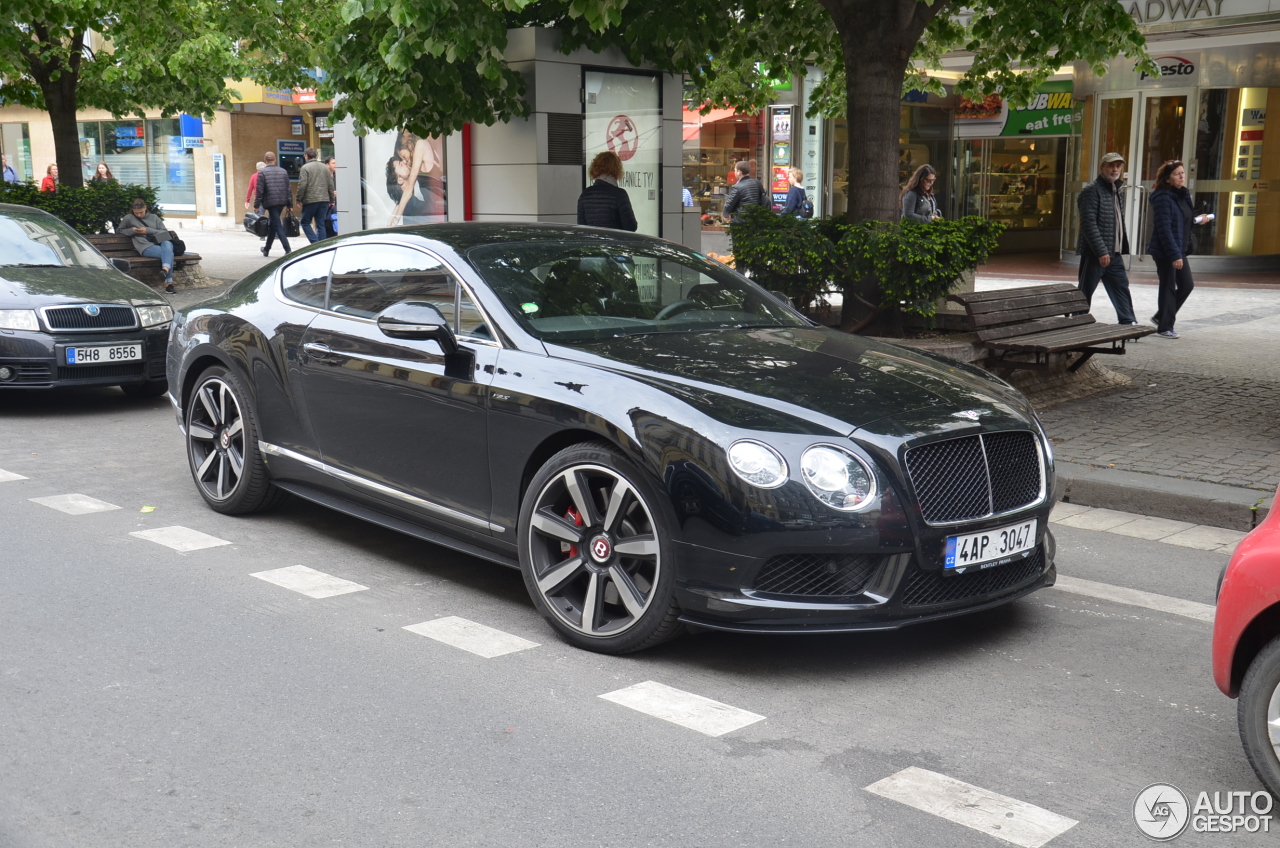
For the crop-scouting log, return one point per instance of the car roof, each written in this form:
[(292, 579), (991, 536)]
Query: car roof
[(464, 236)]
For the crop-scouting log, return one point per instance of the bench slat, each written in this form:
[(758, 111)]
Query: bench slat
[(1038, 326), (1074, 338), (982, 296), (1018, 316), (1067, 299)]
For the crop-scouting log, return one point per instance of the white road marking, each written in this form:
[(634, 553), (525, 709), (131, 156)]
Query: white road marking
[(1014, 821), (683, 708), (9, 476), (471, 636), (1136, 598), (309, 582), (75, 504), (1207, 538), (181, 539)]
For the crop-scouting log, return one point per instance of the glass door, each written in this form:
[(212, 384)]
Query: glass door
[(1164, 132)]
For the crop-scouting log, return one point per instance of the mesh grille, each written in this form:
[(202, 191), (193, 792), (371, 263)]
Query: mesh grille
[(1015, 469), (950, 479), (75, 318), (94, 372), (31, 373), (955, 481), (926, 588), (816, 574), (564, 139)]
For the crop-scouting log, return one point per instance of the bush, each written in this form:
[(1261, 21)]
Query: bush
[(89, 209), (913, 264)]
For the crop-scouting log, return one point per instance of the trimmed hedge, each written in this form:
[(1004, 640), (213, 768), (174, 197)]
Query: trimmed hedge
[(913, 264), (90, 209)]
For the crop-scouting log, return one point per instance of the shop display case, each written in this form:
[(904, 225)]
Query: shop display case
[(708, 174), (1018, 182)]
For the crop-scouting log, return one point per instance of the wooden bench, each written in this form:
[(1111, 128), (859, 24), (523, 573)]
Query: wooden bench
[(1042, 321), (143, 268)]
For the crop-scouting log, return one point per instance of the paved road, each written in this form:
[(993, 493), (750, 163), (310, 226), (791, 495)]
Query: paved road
[(155, 698)]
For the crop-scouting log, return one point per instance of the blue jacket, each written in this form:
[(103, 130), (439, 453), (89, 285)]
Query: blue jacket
[(795, 201), (1171, 221)]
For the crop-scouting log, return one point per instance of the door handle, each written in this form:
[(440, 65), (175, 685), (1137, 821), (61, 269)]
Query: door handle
[(318, 351)]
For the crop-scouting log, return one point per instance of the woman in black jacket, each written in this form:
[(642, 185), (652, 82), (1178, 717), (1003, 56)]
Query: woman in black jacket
[(1172, 217), (604, 203)]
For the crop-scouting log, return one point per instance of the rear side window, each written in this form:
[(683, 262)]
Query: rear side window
[(305, 281), (368, 278)]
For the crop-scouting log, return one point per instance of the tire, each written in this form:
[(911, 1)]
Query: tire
[(222, 446), (594, 537), (149, 389), (1260, 706)]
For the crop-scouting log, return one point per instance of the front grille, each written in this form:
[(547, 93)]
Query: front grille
[(975, 476), (94, 372), (816, 575), (926, 588), (75, 318), (32, 373)]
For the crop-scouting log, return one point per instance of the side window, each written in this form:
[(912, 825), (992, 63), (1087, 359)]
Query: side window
[(470, 319), (368, 278), (305, 280)]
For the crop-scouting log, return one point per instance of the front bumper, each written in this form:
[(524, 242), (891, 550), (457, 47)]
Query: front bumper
[(34, 358)]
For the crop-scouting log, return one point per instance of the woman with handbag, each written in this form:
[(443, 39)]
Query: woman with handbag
[(918, 202), (1172, 217)]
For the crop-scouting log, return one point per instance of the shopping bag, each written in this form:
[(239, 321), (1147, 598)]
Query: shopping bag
[(292, 226), (251, 222)]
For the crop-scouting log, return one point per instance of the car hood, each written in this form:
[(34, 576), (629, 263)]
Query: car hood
[(31, 288), (837, 381)]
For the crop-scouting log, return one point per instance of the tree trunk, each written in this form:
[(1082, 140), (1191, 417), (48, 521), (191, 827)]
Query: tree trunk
[(54, 62), (60, 100), (878, 37)]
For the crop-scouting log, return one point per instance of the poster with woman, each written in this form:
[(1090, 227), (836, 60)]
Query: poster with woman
[(403, 179)]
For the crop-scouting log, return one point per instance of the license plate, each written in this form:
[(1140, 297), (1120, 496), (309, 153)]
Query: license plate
[(103, 354), (990, 548)]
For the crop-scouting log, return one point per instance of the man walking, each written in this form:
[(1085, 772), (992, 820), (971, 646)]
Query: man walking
[(1103, 240), (274, 193), (10, 175), (315, 193), (747, 191)]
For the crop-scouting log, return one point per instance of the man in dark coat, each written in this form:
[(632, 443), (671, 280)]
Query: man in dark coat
[(747, 191), (604, 203), (1103, 240), (275, 193)]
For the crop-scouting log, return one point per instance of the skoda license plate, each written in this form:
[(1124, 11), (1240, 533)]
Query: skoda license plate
[(104, 354), (990, 547)]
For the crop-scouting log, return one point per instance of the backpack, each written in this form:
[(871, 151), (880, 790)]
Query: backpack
[(806, 208)]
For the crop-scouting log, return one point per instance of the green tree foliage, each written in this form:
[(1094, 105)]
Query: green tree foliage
[(89, 208), (167, 55)]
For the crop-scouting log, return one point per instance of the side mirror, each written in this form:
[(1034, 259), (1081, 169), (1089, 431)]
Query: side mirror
[(121, 264), (420, 321)]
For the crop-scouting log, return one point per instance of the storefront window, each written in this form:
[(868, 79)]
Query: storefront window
[(624, 115), (713, 145), (1018, 182), (15, 144), (402, 179), (171, 167), (1115, 125)]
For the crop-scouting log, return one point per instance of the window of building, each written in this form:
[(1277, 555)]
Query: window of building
[(15, 144), (144, 153)]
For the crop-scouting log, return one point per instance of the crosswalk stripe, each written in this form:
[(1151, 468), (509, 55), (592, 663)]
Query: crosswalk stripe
[(471, 636), (1014, 821), (9, 476), (683, 708), (1136, 598), (181, 539), (309, 582), (74, 504)]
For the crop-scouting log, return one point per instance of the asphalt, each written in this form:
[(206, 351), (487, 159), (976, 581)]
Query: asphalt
[(1194, 435)]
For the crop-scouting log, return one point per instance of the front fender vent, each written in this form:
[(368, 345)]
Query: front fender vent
[(817, 575)]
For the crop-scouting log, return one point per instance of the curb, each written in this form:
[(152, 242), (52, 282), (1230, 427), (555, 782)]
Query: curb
[(1162, 497)]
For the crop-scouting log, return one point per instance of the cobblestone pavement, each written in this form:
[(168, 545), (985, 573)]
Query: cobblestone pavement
[(1204, 407)]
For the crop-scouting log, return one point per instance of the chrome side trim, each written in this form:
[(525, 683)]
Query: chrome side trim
[(455, 515), (1039, 499)]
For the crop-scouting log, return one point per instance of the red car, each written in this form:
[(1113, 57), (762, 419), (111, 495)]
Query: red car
[(1246, 644)]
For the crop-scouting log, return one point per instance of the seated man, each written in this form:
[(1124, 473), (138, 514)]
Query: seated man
[(150, 238)]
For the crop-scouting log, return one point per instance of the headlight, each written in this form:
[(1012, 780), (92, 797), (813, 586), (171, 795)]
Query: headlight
[(18, 319), (150, 316), (837, 478), (758, 464)]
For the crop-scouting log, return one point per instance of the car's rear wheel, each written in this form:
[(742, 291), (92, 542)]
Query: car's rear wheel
[(222, 446), (1259, 715), (596, 554), (148, 389)]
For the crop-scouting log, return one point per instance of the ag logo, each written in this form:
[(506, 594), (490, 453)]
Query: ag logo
[(1171, 66), (600, 549), (622, 137), (1161, 811), (92, 310)]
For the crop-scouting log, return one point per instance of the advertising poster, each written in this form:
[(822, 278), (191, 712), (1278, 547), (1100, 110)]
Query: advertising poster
[(403, 179), (624, 114), (1050, 112), (811, 145), (779, 154)]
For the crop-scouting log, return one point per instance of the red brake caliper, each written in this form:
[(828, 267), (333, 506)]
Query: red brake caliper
[(571, 549)]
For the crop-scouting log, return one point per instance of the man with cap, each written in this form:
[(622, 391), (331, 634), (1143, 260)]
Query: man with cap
[(1103, 239)]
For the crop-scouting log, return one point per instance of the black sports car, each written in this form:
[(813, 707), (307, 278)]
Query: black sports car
[(69, 316), (651, 438)]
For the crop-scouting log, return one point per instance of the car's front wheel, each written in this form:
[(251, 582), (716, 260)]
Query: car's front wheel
[(596, 554), (222, 446), (1259, 715)]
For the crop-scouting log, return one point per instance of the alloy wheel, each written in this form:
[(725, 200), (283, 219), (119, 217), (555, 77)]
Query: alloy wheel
[(594, 549), (215, 438), (1273, 721)]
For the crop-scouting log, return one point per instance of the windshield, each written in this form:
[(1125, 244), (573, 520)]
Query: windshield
[(566, 292), (34, 239)]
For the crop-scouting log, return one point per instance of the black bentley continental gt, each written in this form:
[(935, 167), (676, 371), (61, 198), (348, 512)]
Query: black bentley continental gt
[(69, 316), (652, 439)]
